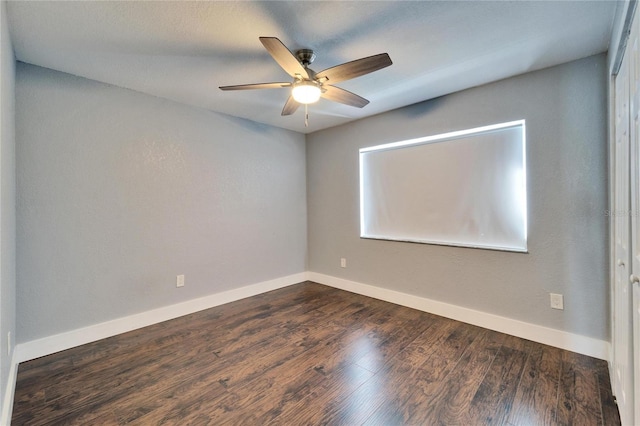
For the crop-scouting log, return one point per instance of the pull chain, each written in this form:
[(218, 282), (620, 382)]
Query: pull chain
[(306, 115)]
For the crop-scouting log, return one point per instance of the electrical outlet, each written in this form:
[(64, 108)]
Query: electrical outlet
[(557, 301), (343, 262), (180, 281)]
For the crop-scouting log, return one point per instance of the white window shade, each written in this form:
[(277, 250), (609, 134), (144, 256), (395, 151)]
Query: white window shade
[(464, 188)]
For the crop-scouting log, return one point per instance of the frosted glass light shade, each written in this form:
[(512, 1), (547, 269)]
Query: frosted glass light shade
[(306, 92)]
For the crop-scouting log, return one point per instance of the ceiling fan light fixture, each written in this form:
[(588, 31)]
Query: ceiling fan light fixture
[(306, 92), (308, 86)]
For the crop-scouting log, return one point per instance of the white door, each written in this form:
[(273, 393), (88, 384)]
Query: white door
[(636, 347), (630, 404), (622, 318)]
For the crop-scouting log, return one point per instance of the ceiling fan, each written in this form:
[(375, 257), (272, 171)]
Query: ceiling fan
[(307, 85)]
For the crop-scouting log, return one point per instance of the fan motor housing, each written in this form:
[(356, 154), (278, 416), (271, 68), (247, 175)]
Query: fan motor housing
[(305, 56)]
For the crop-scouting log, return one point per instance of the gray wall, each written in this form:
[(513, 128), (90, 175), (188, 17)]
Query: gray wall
[(7, 199), (565, 112), (119, 192)]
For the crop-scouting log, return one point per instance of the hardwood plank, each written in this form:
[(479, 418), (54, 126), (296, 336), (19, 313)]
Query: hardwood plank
[(610, 413), (578, 385), (290, 402), (333, 386), (310, 354), (402, 337), (300, 293), (446, 401), (535, 402), (249, 395), (427, 360), (521, 345), (234, 372), (491, 405), (337, 357), (117, 349), (233, 369), (79, 396)]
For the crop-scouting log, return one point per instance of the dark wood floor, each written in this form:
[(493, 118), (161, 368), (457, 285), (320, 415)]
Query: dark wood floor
[(310, 354)]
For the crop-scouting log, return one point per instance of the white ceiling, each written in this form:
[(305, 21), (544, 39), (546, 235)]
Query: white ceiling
[(184, 50)]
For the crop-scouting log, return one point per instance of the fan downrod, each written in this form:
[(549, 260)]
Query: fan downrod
[(305, 56)]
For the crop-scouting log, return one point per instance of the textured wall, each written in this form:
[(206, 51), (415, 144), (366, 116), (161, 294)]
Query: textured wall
[(565, 112), (119, 192), (7, 198)]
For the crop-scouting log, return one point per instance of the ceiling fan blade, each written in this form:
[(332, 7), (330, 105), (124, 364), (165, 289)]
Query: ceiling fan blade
[(342, 96), (256, 86), (284, 57), (355, 68), (290, 106)]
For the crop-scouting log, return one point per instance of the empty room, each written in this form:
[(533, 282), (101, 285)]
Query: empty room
[(320, 213)]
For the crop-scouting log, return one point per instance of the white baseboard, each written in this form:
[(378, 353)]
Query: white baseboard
[(549, 336), (9, 392), (59, 342), (48, 345)]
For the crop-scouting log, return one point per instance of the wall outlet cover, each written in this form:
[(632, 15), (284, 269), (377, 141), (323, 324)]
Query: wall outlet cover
[(557, 301)]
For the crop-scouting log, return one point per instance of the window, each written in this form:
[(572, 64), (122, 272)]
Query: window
[(465, 188)]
